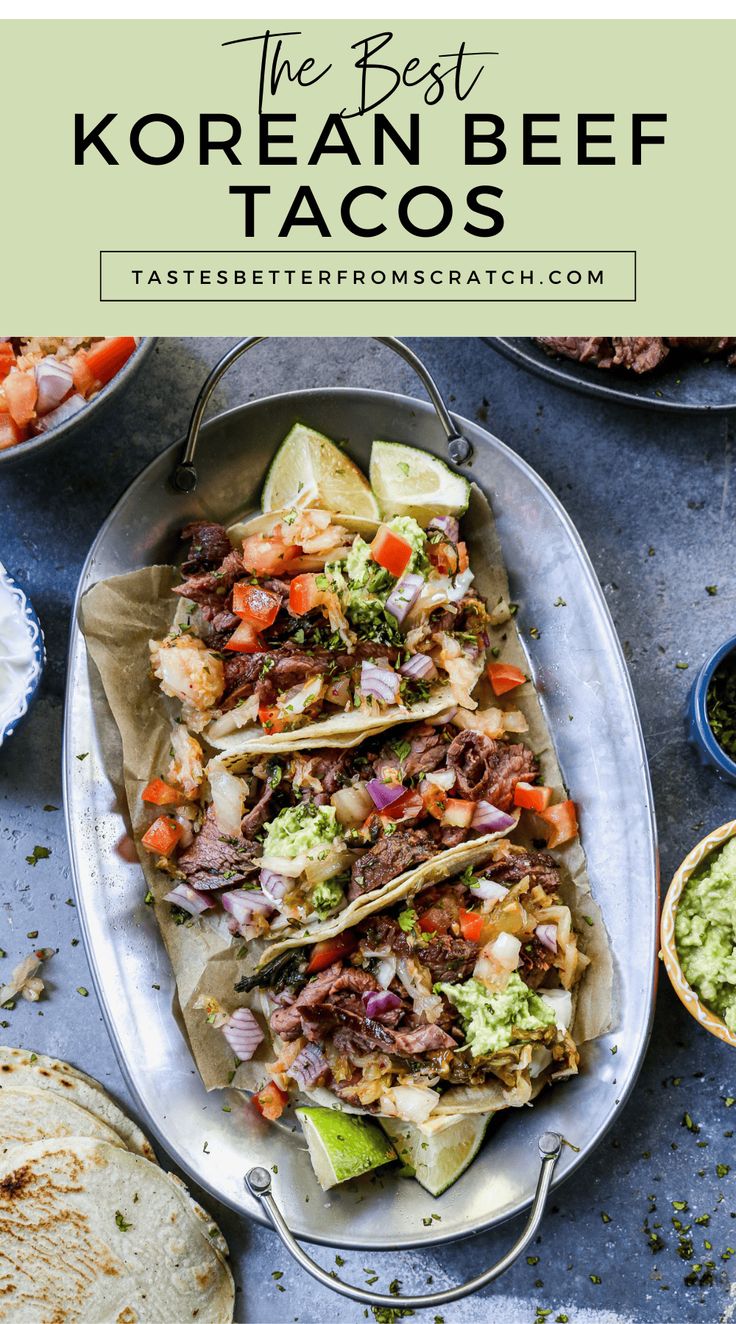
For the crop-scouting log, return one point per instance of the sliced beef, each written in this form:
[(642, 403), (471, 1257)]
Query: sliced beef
[(514, 865), (639, 353), (253, 821), (212, 586), (224, 622), (489, 769), (424, 1039), (583, 349), (328, 767), (209, 547), (452, 836), (390, 857), (214, 860), (325, 988), (383, 931), (428, 749), (241, 673), (534, 962), (289, 667), (449, 960)]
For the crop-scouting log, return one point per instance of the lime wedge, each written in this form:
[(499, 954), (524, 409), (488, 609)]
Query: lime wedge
[(341, 1145), (408, 481), (439, 1151), (310, 470)]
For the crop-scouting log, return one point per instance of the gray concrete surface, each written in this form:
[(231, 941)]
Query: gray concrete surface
[(654, 501)]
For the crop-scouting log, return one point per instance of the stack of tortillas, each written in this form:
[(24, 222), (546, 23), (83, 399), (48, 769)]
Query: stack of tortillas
[(92, 1231)]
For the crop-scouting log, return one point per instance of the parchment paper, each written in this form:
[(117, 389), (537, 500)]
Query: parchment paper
[(118, 617)]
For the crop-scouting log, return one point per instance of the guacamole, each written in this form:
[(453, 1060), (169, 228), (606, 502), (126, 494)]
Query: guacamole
[(304, 829), (492, 1016), (705, 933), (327, 896)]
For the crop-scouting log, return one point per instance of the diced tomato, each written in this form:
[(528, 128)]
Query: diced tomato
[(303, 594), (107, 358), (434, 799), (7, 358), (471, 925), (458, 813), (267, 556), (463, 562), (390, 551), (10, 433), (532, 797), (21, 393), (325, 953), (270, 1101), (444, 557), (245, 639), (256, 604), (159, 792), (84, 380), (562, 821), (162, 835), (504, 677), (435, 920), (271, 718)]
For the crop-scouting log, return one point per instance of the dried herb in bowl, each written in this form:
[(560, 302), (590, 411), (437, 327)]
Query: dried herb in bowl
[(721, 705)]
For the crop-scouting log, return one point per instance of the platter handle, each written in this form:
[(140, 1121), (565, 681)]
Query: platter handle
[(184, 478), (258, 1182)]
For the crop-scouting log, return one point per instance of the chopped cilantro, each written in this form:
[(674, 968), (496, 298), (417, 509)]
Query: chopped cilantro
[(38, 853), (120, 1222)]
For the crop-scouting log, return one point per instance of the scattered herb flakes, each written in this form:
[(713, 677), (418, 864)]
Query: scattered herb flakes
[(339, 1261), (589, 920), (682, 666), (38, 853), (69, 901), (75, 942), (148, 899), (605, 1218), (561, 1319), (614, 1050), (703, 1220), (388, 1314), (277, 1273), (689, 1123), (535, 632), (51, 809), (711, 590), (595, 1279), (728, 1100), (532, 1259), (722, 1169), (651, 551), (83, 992), (680, 1205), (559, 603), (33, 933), (205, 1148), (82, 757), (226, 1108), (2, 953), (120, 1222)]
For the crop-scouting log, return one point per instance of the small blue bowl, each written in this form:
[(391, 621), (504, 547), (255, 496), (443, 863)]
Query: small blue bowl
[(699, 732), (20, 606)]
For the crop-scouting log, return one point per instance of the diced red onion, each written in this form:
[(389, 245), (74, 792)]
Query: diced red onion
[(54, 382), (443, 718), (308, 1066), (403, 596), (489, 819), (383, 793), (243, 1033), (274, 886), (378, 1003), (447, 525), (185, 896), (489, 890), (379, 682), (419, 667), (547, 934), (61, 414), (243, 905)]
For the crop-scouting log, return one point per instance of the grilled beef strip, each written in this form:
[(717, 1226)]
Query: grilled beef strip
[(489, 769), (390, 857), (209, 546), (448, 959), (640, 354), (214, 861), (212, 586), (513, 865)]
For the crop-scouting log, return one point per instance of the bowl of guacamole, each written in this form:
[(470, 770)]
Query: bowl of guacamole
[(699, 932)]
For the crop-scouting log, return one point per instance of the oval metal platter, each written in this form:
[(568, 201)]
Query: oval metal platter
[(579, 669), (683, 385)]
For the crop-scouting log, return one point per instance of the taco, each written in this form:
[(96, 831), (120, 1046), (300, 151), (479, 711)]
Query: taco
[(303, 627), (295, 844), (459, 997)]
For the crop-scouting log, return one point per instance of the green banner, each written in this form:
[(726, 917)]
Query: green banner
[(453, 176)]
